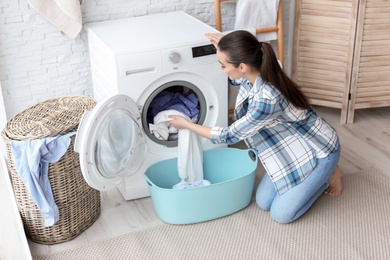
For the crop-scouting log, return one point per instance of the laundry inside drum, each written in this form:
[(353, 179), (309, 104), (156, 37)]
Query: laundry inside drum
[(182, 97)]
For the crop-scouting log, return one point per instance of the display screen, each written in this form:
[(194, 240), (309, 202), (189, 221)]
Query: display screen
[(203, 50)]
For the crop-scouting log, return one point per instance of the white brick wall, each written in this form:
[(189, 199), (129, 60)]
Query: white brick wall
[(37, 62)]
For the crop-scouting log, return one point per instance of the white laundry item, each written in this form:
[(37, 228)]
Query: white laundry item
[(65, 14), (189, 185), (257, 14), (190, 156), (160, 131), (161, 128), (190, 153)]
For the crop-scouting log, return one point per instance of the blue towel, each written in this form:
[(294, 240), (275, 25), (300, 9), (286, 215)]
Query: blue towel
[(31, 159)]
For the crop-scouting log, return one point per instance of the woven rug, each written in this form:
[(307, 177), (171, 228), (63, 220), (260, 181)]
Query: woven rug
[(353, 226)]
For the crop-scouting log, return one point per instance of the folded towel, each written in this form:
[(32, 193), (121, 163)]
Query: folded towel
[(31, 159), (65, 14), (257, 14)]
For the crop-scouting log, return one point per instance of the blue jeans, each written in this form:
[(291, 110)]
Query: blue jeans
[(296, 201)]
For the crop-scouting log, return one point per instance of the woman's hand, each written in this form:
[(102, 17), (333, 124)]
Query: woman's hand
[(179, 122), (214, 38)]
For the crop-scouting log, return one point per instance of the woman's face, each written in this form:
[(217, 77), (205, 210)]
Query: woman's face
[(232, 72)]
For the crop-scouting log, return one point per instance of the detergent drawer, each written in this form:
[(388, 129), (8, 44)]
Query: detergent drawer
[(139, 63)]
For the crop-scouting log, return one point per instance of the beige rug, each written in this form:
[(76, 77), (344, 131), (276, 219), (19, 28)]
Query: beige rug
[(353, 226)]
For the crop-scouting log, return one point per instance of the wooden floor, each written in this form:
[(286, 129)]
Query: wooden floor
[(365, 144)]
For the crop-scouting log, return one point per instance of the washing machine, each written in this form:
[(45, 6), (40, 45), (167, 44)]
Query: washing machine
[(134, 62)]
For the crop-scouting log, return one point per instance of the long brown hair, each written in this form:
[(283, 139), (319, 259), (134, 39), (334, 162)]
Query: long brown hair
[(243, 47)]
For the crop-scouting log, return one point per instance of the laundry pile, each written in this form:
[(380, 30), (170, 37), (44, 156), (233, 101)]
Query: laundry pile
[(190, 154), (182, 101)]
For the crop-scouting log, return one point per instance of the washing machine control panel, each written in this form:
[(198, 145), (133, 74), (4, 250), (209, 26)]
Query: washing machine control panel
[(188, 56), (204, 50), (175, 57)]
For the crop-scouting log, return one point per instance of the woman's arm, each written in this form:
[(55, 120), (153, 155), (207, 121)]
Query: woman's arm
[(180, 122)]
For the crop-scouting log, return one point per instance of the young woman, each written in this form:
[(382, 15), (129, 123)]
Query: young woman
[(298, 149)]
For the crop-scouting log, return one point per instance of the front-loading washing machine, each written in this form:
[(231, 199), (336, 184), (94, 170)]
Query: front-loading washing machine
[(135, 62)]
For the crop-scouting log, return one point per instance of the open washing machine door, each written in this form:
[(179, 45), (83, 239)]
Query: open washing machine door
[(110, 142)]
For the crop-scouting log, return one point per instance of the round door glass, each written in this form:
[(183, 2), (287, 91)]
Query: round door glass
[(120, 145)]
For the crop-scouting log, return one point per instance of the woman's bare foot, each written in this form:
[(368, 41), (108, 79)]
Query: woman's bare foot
[(335, 185)]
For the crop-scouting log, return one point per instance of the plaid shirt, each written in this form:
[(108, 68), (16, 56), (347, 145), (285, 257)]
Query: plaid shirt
[(288, 140)]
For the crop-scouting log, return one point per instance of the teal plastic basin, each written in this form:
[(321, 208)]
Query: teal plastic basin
[(232, 175)]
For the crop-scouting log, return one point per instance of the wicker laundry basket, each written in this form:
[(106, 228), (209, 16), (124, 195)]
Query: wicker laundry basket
[(78, 204)]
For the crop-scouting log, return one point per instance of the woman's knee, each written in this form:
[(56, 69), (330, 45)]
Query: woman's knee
[(265, 193), (279, 213), (281, 217), (264, 198), (263, 204)]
